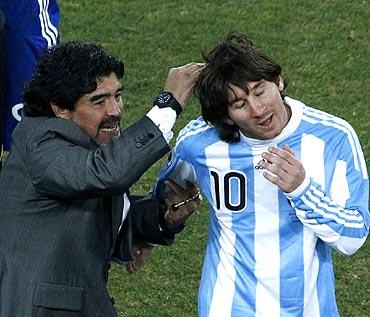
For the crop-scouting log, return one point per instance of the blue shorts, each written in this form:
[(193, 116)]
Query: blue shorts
[(31, 26)]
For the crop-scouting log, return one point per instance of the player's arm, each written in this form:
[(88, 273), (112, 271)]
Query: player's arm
[(344, 228)]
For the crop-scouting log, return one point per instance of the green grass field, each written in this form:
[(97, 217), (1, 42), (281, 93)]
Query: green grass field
[(324, 49)]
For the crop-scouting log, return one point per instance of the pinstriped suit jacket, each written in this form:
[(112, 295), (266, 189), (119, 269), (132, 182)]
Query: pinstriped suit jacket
[(60, 210)]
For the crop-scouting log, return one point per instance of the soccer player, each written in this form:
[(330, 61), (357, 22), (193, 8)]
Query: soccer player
[(286, 184)]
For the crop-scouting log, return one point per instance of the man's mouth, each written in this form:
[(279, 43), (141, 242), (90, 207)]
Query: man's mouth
[(111, 127), (266, 122)]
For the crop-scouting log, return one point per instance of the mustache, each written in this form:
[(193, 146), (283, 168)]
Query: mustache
[(110, 121)]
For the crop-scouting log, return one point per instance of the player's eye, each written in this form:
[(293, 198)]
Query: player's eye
[(259, 92), (238, 105)]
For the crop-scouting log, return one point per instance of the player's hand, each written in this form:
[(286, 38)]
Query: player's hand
[(181, 80), (180, 202), (141, 252), (287, 171)]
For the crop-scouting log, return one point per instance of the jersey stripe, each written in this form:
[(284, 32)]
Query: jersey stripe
[(48, 33), (311, 269), (266, 246), (221, 303), (339, 190), (52, 28), (313, 164)]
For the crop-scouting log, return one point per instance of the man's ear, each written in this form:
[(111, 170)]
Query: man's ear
[(61, 112), (280, 83)]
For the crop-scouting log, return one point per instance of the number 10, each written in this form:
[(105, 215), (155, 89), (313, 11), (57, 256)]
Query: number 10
[(224, 188)]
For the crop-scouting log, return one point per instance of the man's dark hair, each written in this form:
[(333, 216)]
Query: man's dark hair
[(64, 74), (235, 61)]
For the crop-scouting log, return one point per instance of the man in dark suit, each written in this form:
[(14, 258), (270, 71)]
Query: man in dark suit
[(64, 189)]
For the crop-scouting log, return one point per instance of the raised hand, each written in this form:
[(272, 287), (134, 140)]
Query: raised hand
[(181, 80)]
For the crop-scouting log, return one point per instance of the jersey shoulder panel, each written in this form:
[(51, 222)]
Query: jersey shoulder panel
[(337, 134), (194, 132)]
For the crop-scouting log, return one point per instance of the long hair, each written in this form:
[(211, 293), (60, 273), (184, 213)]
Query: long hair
[(235, 61), (64, 74)]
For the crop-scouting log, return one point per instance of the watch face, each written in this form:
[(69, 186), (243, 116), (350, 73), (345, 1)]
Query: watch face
[(163, 98), (166, 99)]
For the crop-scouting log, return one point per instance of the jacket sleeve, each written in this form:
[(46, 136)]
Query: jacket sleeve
[(144, 223), (147, 218), (61, 166)]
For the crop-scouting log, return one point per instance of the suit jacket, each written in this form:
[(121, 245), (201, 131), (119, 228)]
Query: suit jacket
[(60, 209)]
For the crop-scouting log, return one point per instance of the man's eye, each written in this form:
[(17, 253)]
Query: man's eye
[(259, 92), (99, 102), (118, 97)]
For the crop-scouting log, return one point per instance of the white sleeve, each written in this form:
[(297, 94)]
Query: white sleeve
[(164, 119)]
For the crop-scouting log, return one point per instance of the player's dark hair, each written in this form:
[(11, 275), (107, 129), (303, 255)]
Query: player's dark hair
[(235, 61), (64, 74)]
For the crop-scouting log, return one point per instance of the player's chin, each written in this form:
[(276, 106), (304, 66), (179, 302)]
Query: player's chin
[(269, 132)]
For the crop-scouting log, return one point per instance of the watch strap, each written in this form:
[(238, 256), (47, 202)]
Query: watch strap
[(172, 102)]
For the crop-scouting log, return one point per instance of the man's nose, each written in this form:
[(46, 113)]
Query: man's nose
[(115, 107)]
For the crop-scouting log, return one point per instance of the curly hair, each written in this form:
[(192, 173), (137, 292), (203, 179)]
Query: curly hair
[(235, 61), (64, 74)]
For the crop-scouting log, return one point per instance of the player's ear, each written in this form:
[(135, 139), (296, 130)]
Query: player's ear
[(229, 121), (61, 112)]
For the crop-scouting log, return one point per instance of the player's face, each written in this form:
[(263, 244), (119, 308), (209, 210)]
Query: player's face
[(258, 110), (99, 113)]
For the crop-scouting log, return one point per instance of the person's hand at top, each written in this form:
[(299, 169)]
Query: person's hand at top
[(181, 80), (176, 92)]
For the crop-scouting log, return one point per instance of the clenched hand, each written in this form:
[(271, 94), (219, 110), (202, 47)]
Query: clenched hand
[(180, 202)]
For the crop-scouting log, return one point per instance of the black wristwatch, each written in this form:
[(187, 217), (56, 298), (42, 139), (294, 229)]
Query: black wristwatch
[(166, 99)]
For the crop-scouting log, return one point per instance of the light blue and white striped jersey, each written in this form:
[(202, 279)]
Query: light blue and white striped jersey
[(268, 253)]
